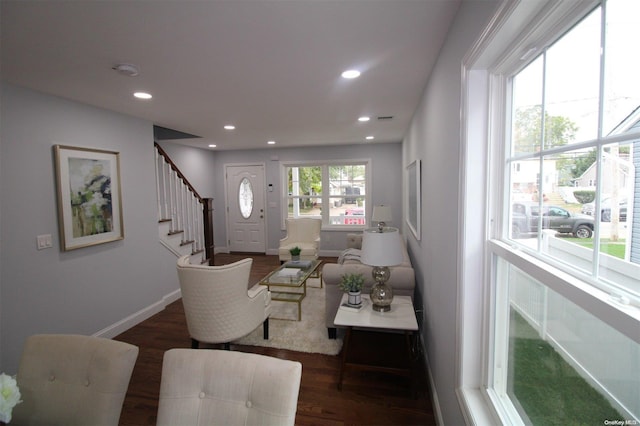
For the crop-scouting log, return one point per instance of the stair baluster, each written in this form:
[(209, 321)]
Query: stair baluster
[(187, 214)]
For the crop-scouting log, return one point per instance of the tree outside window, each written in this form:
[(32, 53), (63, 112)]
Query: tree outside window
[(335, 192)]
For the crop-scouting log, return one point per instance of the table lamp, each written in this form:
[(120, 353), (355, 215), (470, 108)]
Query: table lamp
[(381, 248), (382, 215)]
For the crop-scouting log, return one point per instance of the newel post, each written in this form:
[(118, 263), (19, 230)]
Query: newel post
[(208, 228)]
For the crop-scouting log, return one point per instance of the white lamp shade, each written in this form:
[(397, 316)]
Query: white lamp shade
[(381, 248), (381, 214)]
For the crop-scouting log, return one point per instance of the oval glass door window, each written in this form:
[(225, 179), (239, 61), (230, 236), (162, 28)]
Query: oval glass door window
[(245, 198)]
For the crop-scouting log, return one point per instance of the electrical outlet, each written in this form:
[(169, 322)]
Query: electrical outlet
[(44, 241)]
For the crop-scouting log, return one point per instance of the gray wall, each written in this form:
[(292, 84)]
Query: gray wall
[(93, 289), (386, 183), (196, 164), (386, 160), (434, 137), (84, 290)]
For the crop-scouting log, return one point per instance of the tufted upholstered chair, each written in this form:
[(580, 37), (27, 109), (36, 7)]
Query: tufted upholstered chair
[(217, 304), (304, 233), (214, 387), (73, 380)]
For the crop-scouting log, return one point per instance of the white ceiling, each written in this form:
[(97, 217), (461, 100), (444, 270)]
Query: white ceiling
[(270, 67)]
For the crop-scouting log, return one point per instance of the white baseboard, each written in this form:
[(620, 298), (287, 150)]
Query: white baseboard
[(170, 248), (435, 403), (136, 318), (172, 297)]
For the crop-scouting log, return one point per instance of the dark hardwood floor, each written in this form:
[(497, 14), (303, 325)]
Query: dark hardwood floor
[(366, 398)]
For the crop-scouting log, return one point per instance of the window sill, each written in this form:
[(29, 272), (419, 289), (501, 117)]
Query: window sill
[(476, 409)]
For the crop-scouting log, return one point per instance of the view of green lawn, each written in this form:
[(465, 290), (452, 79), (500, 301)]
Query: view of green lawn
[(546, 387), (613, 248)]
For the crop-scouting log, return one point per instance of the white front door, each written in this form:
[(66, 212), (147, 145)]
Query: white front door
[(245, 208)]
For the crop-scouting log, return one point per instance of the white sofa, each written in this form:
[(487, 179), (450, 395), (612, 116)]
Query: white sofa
[(402, 279)]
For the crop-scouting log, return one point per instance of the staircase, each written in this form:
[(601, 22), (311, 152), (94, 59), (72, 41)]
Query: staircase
[(185, 219)]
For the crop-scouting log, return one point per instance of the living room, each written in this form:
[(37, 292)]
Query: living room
[(105, 289)]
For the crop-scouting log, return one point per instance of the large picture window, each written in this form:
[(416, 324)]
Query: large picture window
[(563, 256), (335, 192)]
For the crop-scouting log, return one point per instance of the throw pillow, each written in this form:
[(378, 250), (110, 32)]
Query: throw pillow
[(349, 254)]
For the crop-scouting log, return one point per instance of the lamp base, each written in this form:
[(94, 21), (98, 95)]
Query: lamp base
[(381, 297)]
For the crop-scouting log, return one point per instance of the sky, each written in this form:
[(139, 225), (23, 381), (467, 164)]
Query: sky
[(573, 71)]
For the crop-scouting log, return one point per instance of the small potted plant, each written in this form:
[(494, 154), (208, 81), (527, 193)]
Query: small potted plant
[(295, 253), (352, 283)]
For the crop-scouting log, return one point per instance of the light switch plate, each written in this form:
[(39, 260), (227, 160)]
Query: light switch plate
[(44, 241)]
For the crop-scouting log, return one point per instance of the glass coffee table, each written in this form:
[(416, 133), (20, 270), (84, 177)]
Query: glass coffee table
[(288, 283)]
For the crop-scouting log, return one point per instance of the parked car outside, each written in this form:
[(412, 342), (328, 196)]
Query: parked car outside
[(354, 216), (605, 212), (525, 220)]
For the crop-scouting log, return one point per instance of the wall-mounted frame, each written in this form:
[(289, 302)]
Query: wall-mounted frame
[(414, 198), (89, 197)]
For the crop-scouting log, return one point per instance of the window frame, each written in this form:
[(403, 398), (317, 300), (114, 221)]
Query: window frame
[(592, 277), (504, 43), (326, 196)]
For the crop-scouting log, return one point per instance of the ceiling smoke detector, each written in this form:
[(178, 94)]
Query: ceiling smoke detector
[(128, 70)]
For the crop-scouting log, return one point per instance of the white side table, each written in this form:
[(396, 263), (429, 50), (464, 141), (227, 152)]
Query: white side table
[(401, 317)]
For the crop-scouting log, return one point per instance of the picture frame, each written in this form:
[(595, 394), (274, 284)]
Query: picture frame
[(89, 196), (414, 197)]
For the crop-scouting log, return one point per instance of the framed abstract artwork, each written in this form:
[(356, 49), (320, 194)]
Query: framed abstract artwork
[(89, 197), (413, 197)]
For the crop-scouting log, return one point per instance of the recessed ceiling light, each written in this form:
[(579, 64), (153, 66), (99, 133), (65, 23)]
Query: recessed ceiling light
[(128, 70), (365, 118), (271, 142), (351, 74), (229, 127), (212, 145), (370, 138), (142, 95)]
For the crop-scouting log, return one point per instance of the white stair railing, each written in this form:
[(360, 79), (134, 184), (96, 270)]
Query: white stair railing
[(180, 204)]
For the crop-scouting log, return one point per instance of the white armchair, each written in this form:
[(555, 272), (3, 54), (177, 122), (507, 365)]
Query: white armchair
[(304, 233), (214, 387), (73, 380), (217, 305)]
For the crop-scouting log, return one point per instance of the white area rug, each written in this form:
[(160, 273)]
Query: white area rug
[(307, 335)]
